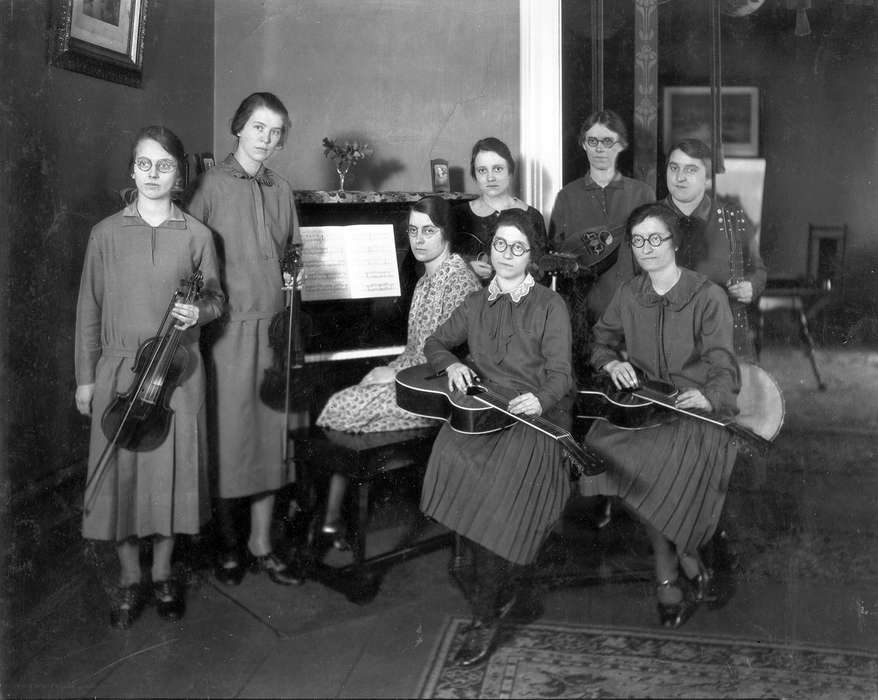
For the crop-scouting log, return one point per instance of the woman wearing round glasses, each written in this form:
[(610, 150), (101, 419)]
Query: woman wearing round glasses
[(493, 168), (503, 491), (134, 262), (589, 214), (370, 406), (675, 326)]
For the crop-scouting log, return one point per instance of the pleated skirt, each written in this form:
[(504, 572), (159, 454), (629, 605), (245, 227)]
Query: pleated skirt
[(503, 490), (674, 475)]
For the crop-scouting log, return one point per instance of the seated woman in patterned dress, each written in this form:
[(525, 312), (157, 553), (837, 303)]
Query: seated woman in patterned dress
[(501, 492), (370, 406), (673, 325)]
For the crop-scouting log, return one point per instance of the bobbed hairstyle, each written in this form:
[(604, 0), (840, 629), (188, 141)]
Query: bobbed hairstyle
[(654, 210), (439, 211), (165, 138), (536, 239), (491, 145), (695, 148), (253, 102), (609, 119)]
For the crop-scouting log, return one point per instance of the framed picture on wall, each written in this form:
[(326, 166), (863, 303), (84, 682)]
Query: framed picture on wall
[(687, 114), (101, 38)]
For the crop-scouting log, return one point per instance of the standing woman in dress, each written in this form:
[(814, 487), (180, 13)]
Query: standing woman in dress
[(492, 166), (252, 213), (503, 491), (134, 262), (675, 326)]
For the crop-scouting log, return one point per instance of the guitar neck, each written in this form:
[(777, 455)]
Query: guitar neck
[(499, 403), (656, 398)]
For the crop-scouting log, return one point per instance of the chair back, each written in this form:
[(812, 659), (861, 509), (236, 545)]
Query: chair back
[(826, 251)]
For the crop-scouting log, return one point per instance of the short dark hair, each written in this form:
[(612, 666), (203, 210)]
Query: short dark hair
[(492, 145), (253, 102), (165, 138), (695, 148), (654, 210), (609, 119), (536, 239), (439, 211)]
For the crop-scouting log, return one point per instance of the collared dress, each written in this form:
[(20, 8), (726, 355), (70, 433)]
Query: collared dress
[(253, 219), (130, 273), (503, 490), (673, 475), (372, 408)]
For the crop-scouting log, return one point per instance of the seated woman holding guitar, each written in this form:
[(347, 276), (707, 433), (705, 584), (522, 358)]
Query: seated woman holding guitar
[(369, 406), (501, 491), (669, 325)]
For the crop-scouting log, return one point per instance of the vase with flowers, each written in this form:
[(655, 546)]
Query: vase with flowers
[(345, 155)]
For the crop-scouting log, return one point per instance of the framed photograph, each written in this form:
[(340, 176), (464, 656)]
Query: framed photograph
[(101, 38), (687, 114), (439, 175)]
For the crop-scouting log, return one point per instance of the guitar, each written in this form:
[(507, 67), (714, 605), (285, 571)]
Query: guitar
[(482, 410), (760, 405)]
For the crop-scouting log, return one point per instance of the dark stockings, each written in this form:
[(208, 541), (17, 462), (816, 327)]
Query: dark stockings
[(487, 580)]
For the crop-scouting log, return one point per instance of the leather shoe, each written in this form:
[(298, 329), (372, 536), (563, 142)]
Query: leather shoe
[(479, 643), (126, 606), (229, 570), (169, 601), (280, 573)]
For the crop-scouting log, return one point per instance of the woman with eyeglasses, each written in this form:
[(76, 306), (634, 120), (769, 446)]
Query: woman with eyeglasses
[(370, 406), (501, 492), (596, 205), (671, 325), (252, 213), (493, 168), (133, 264)]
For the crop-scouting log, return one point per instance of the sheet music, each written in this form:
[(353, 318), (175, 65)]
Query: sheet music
[(349, 262)]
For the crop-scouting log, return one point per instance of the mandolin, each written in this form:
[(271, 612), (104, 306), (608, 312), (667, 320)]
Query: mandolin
[(483, 410), (760, 405)]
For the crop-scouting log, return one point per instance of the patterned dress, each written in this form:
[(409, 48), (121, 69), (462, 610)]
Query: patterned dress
[(371, 408), (503, 490), (673, 475), (131, 269), (253, 219)]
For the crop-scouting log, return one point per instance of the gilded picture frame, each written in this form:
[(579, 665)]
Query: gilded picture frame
[(101, 38), (687, 114)]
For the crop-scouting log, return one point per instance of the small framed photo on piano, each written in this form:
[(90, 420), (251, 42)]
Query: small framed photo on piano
[(439, 175)]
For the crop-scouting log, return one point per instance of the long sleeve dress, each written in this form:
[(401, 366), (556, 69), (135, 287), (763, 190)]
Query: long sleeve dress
[(372, 408), (673, 475), (253, 219), (131, 270), (503, 490)]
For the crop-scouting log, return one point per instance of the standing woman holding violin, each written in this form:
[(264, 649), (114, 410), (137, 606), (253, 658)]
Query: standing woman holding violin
[(252, 213), (134, 262)]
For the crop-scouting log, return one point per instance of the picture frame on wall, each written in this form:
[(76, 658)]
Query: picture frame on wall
[(687, 114), (101, 38)]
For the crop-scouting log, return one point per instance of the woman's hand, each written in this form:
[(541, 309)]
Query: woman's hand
[(693, 398), (622, 374), (741, 291), (459, 376), (379, 375), (525, 405), (291, 284), (482, 269), (186, 315), (84, 394)]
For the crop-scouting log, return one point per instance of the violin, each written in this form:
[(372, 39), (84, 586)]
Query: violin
[(140, 419)]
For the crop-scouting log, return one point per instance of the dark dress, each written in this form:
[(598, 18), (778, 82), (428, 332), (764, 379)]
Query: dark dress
[(474, 232), (131, 270), (253, 220), (674, 475), (503, 490)]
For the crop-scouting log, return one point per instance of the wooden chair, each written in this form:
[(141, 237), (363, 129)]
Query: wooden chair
[(805, 297)]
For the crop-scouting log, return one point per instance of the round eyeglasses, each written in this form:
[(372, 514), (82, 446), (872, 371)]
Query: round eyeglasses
[(165, 165), (606, 142), (500, 244), (425, 231), (654, 239)]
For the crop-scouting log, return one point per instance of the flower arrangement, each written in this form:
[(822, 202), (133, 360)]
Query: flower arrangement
[(345, 156)]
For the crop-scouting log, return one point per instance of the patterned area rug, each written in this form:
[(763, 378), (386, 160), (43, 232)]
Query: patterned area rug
[(546, 660)]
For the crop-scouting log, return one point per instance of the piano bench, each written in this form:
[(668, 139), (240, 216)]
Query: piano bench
[(362, 458)]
